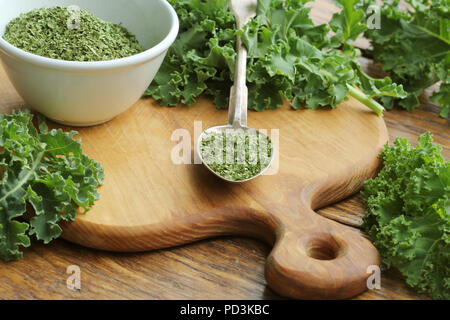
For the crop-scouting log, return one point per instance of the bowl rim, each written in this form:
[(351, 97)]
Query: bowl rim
[(133, 60)]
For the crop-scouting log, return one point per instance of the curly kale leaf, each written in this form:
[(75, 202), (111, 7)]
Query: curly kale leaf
[(202, 58), (348, 23), (289, 57), (413, 47), (45, 170), (408, 214)]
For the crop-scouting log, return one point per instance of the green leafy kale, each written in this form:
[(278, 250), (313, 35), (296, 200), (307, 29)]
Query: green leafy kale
[(45, 171), (289, 57), (408, 214), (413, 47)]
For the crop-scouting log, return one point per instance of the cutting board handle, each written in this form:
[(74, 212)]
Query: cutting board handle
[(319, 259)]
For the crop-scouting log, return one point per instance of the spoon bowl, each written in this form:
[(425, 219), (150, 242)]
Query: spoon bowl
[(230, 129)]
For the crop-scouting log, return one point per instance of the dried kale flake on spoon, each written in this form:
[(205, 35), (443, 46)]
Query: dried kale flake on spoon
[(236, 156), (65, 34)]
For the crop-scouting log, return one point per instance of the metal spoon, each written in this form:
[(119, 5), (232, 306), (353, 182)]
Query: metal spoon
[(244, 11)]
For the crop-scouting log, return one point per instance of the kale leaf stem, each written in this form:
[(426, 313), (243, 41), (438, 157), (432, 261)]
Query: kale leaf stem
[(363, 98)]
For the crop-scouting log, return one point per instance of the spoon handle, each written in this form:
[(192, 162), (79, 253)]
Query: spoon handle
[(244, 11), (237, 112)]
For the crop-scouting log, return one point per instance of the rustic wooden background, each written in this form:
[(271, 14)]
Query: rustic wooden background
[(224, 268)]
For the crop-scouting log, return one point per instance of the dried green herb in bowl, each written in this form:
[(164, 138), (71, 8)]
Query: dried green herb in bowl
[(236, 156), (64, 34)]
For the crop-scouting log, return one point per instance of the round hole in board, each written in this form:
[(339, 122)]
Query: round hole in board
[(323, 248)]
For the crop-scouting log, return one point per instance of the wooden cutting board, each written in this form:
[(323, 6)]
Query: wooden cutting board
[(148, 202)]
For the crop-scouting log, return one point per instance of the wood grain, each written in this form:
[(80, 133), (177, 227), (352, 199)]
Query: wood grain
[(148, 202), (188, 272)]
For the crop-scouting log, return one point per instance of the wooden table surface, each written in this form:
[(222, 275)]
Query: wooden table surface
[(224, 268)]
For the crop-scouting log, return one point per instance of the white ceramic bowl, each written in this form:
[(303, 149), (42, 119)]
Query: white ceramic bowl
[(89, 93)]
